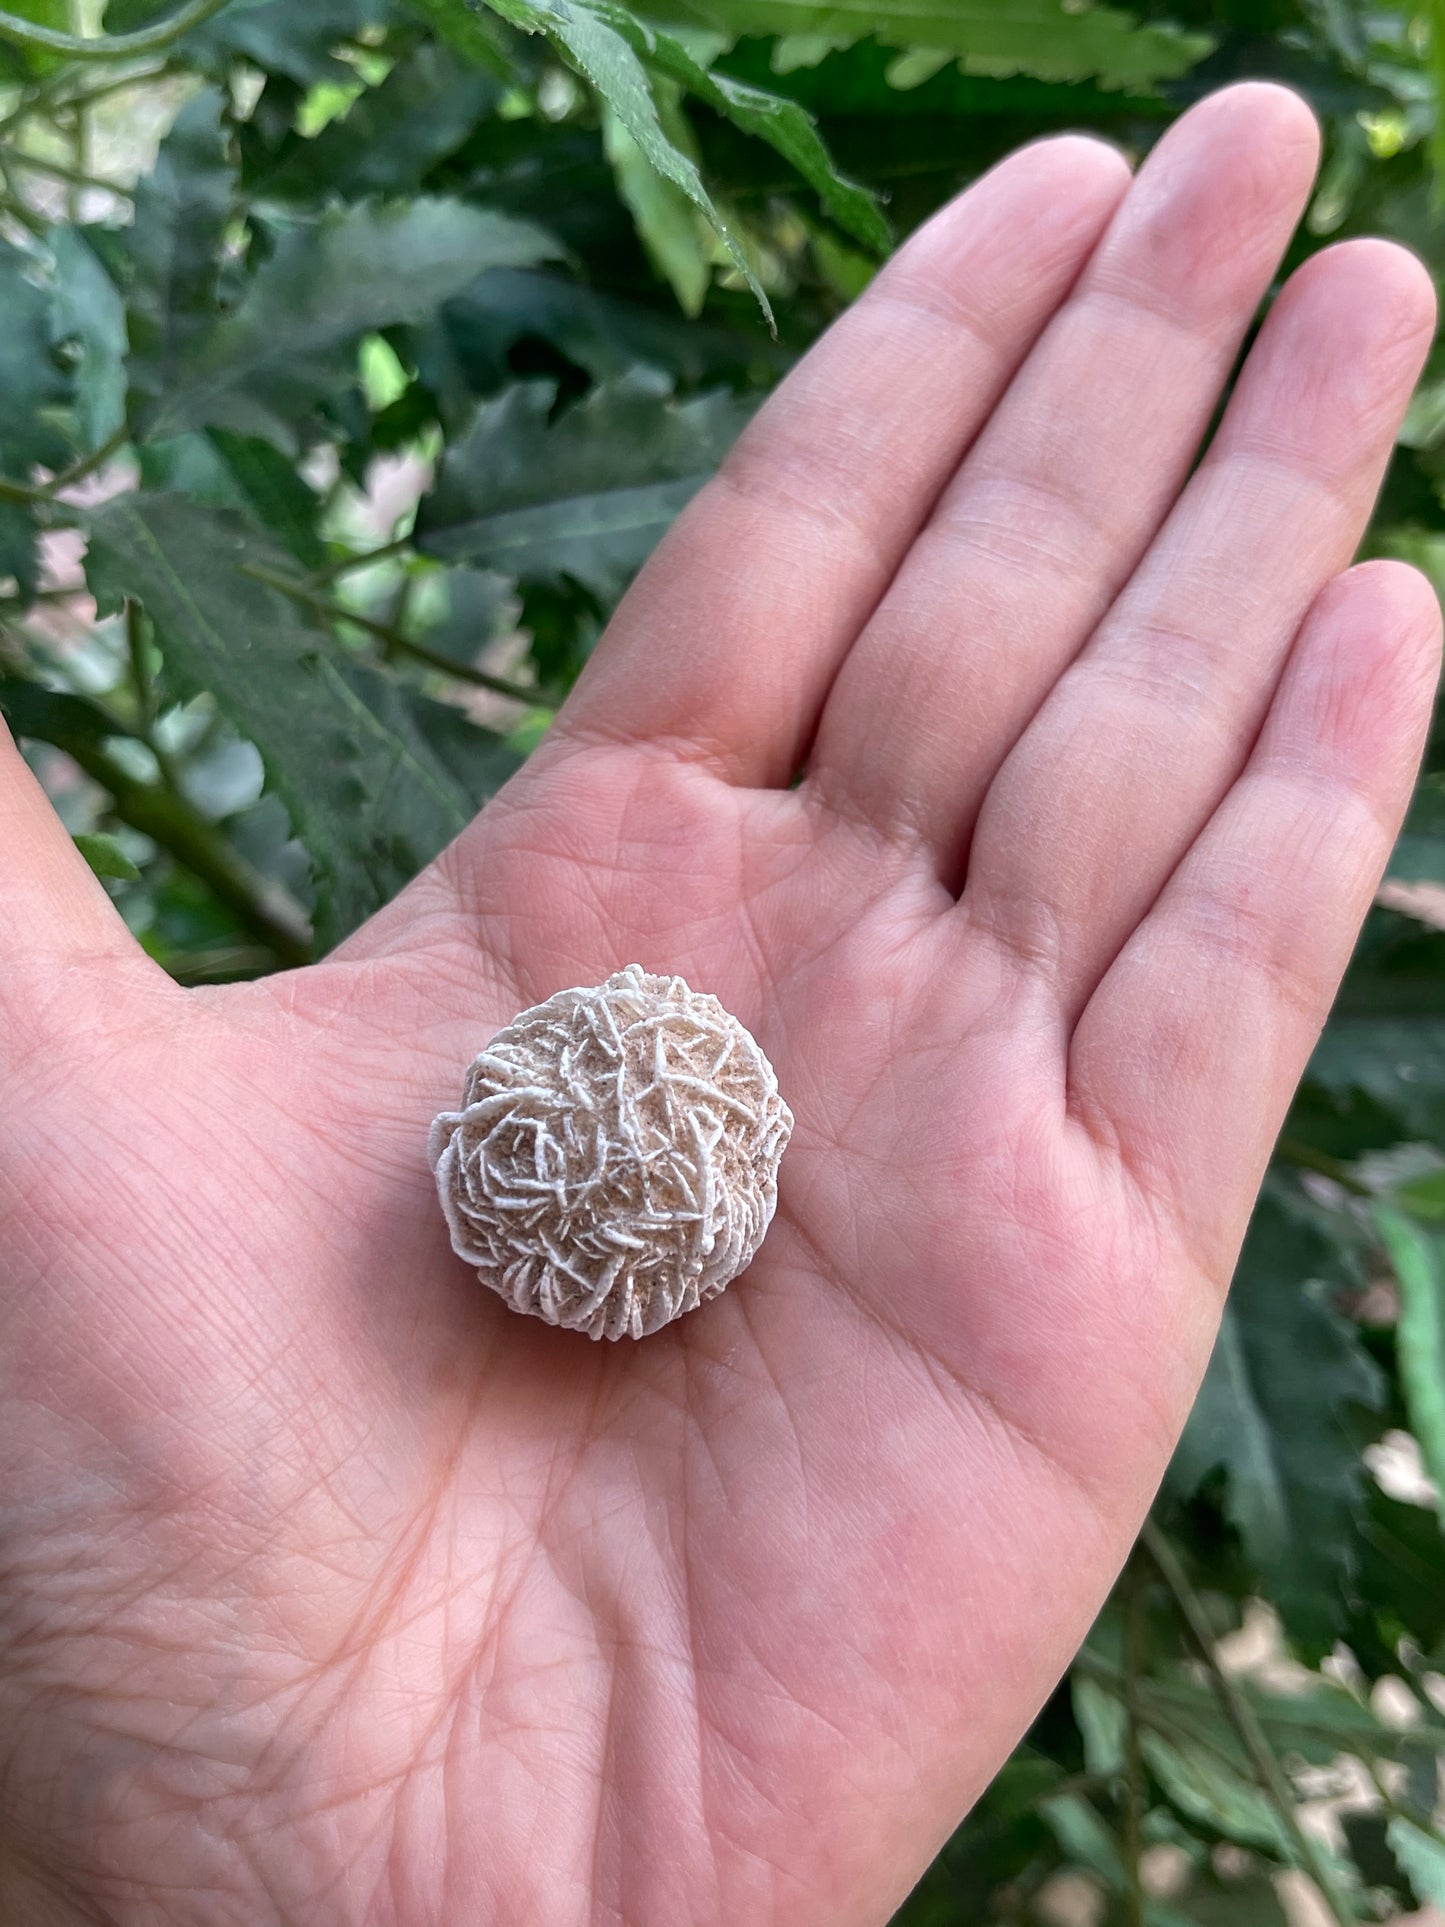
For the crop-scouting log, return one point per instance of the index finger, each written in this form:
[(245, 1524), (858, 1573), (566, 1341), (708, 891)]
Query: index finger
[(727, 643)]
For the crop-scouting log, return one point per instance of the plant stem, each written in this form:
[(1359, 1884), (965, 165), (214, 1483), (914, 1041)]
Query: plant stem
[(348, 563), (500, 685), (1251, 1735), (119, 46), (393, 638), (1307, 1158), (1133, 1841), (82, 130), (32, 495), (264, 910), (17, 604), (60, 172), (42, 97), (13, 201), (145, 694), (86, 465), (140, 673)]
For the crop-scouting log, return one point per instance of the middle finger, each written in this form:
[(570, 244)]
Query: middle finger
[(1065, 487)]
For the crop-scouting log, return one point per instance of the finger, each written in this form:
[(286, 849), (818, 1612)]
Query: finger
[(727, 642), (1065, 487), (1189, 1051), (1145, 732), (56, 922)]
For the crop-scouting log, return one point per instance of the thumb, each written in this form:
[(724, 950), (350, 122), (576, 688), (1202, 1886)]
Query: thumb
[(58, 927)]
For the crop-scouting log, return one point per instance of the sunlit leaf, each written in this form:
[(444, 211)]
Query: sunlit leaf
[(106, 858), (1418, 1256), (597, 40), (1422, 1855), (1053, 39)]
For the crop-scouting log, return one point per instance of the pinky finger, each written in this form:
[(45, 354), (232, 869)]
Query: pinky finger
[(1190, 1050)]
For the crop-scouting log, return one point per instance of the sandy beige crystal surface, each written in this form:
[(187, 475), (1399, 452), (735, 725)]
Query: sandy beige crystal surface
[(614, 1160)]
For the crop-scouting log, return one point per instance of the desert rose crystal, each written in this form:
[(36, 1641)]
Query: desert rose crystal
[(614, 1162)]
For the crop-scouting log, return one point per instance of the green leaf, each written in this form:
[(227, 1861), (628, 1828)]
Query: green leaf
[(1422, 1855), (586, 497), (1400, 1585), (1204, 1789), (106, 858), (1315, 1723), (367, 793), (88, 315), (1397, 1062), (792, 131), (282, 37), (181, 213), (1419, 855), (465, 352), (1423, 1197), (1082, 1834), (35, 393), (1272, 1414), (786, 127), (393, 136), (1103, 1723), (34, 387), (478, 759), (596, 39), (55, 716), (668, 224), (27, 63), (475, 605), (1212, 1901), (1418, 1257), (1087, 1839), (471, 31), (278, 36), (292, 338), (19, 547), (1051, 39), (231, 471)]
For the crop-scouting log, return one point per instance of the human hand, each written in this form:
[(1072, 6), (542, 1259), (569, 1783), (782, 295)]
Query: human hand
[(330, 1591)]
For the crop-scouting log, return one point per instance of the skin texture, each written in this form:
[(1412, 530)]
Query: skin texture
[(330, 1591)]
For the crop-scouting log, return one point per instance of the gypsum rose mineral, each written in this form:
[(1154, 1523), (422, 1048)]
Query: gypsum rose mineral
[(614, 1162)]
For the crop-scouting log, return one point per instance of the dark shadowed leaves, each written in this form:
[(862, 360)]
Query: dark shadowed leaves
[(1398, 1063), (368, 794), (1273, 1416), (88, 321), (599, 41), (393, 136), (36, 390), (181, 213), (260, 368), (587, 496), (291, 37), (471, 347), (233, 471)]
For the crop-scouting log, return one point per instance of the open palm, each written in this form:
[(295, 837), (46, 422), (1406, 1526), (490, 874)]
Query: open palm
[(330, 1591)]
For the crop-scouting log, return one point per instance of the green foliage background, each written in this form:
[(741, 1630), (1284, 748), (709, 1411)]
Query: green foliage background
[(539, 245)]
